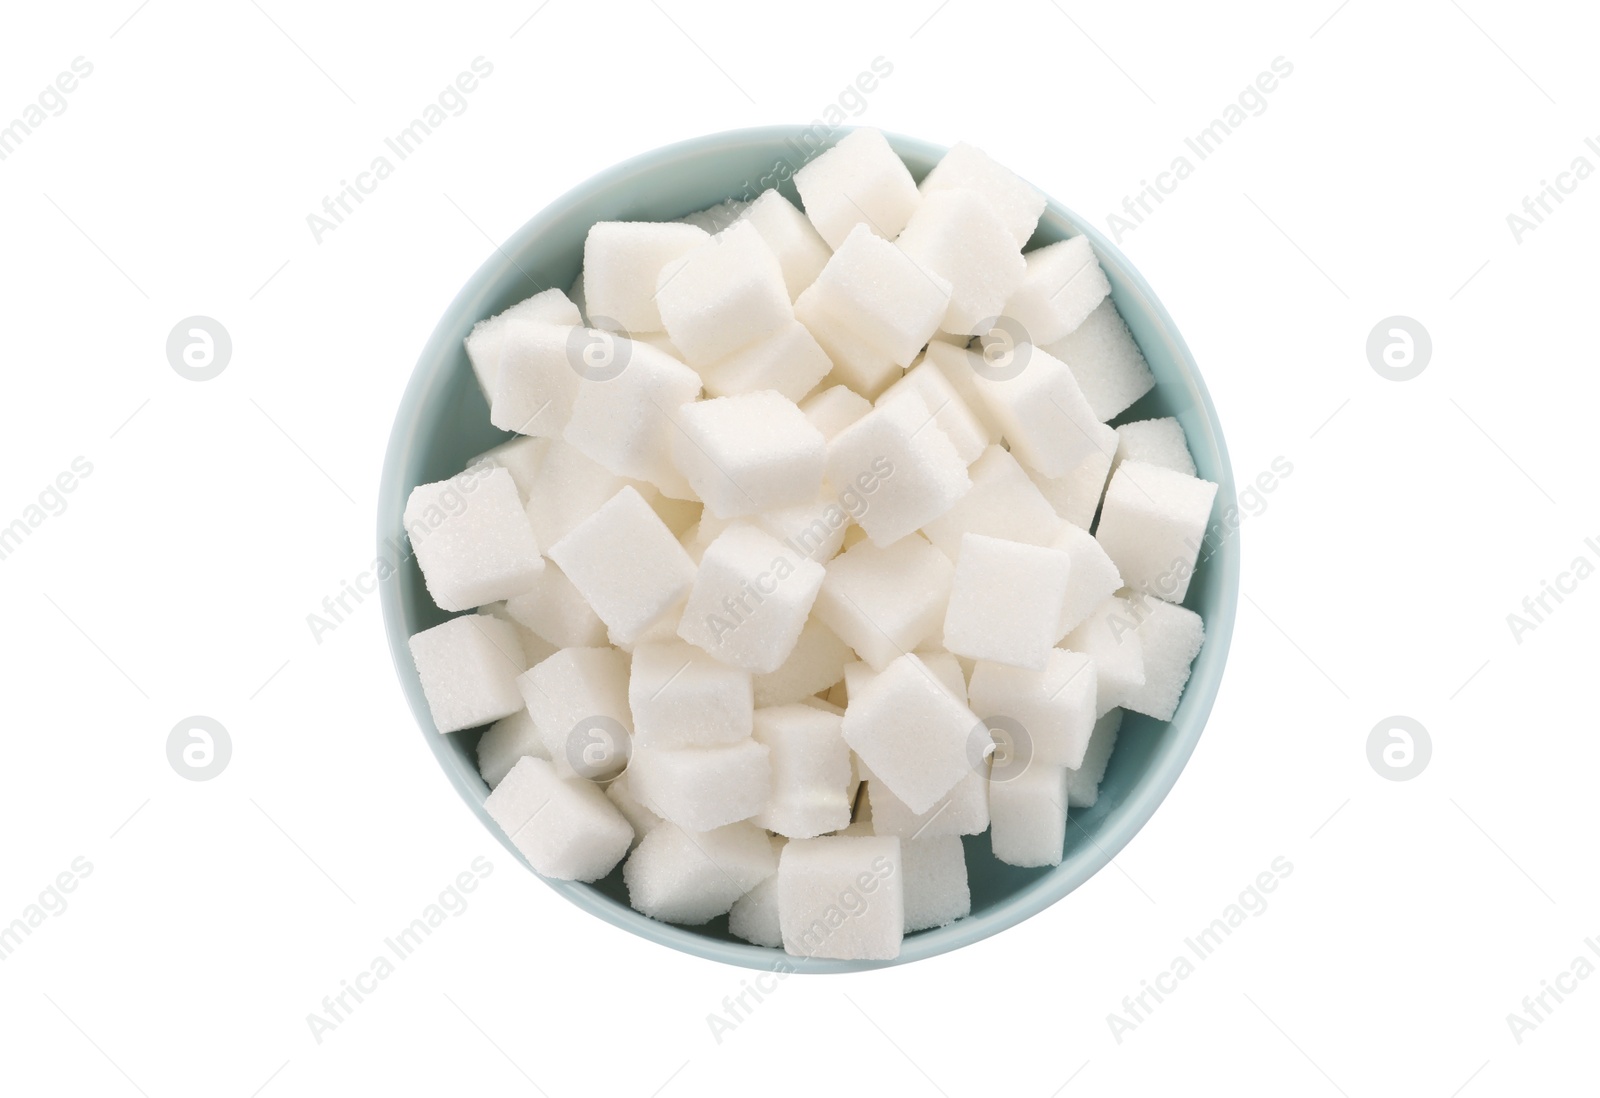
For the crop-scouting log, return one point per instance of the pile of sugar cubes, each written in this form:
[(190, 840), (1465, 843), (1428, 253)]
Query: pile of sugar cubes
[(815, 551)]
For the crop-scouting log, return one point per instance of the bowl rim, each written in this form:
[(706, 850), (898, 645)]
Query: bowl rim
[(1116, 829)]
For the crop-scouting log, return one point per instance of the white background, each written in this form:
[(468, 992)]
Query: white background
[(218, 515)]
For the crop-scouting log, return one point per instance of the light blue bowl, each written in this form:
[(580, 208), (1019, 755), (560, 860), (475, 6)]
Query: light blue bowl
[(443, 422)]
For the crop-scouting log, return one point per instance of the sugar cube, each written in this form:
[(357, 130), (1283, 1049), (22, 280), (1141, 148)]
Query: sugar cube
[(554, 610), (472, 538), (880, 294), (810, 771), (816, 663), (966, 431), (681, 697), (1110, 637), (1083, 784), (754, 916), (1061, 286), (936, 890), (842, 897), (680, 876), (620, 793), (1053, 708), (1155, 442), (483, 343), (885, 601), (958, 236), (506, 741), (833, 409), (1028, 816), (621, 262), (1101, 352), (1040, 409), (964, 810), (578, 699), (565, 827), (625, 563), (1152, 524), (1076, 495), (1169, 639), (625, 422), (858, 182), (521, 457), (1092, 577), (567, 488), (537, 380), (1005, 601), (903, 463), (857, 363), (703, 787), (815, 528), (1003, 503), (723, 294), (469, 667), (960, 367), (1017, 203), (787, 360), (800, 249), (748, 453), (750, 599), (911, 731)]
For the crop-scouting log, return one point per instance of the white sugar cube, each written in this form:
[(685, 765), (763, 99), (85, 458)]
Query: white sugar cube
[(787, 360), (1040, 409), (857, 363), (506, 741), (621, 262), (880, 294), (1152, 524), (748, 453), (833, 409), (800, 249), (816, 663), (680, 876), (554, 610), (1062, 285), (1017, 203), (1092, 577), (626, 564), (964, 810), (565, 827), (903, 463), (946, 667), (713, 219), (842, 897), (1155, 442), (1083, 784), (960, 366), (625, 422), (1076, 495), (754, 916), (703, 787), (1054, 708), (469, 667), (885, 601), (1169, 639), (1110, 637), (815, 528), (521, 457), (567, 488), (681, 697), (958, 236), (723, 294), (810, 771), (912, 732), (664, 630), (537, 382), (936, 890), (967, 433), (1028, 816), (484, 342), (578, 699), (750, 599), (472, 538), (1005, 601), (1003, 503), (620, 793), (860, 181), (1110, 368)]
